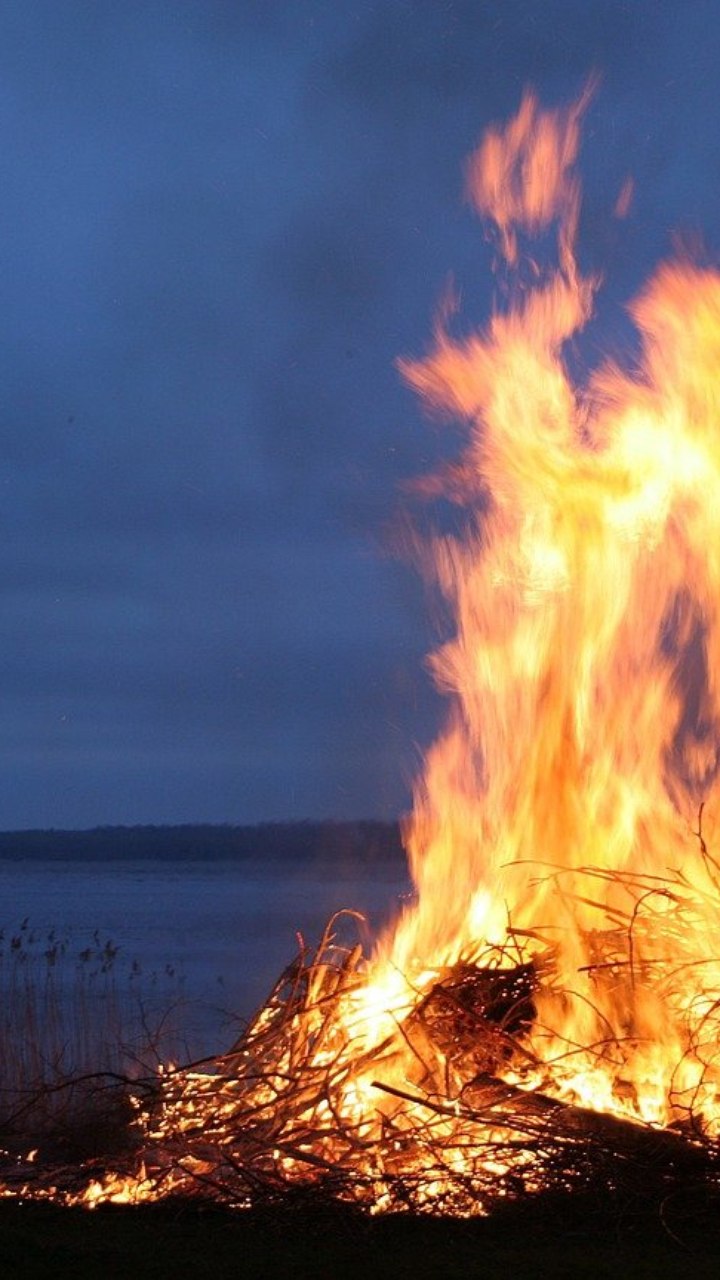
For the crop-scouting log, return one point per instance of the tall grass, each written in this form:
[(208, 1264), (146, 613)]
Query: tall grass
[(77, 1018)]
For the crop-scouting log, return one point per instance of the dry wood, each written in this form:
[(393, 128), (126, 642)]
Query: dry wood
[(268, 1118)]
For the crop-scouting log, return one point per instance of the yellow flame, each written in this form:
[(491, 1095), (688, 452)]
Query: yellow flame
[(582, 735)]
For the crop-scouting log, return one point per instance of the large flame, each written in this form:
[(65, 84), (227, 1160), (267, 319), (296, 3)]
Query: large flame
[(582, 738)]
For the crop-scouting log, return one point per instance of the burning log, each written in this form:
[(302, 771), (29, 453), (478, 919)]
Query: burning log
[(540, 1146), (570, 1125)]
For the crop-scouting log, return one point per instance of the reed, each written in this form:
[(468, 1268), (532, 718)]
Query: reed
[(78, 1022)]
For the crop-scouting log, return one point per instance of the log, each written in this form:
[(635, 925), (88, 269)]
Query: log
[(492, 1101)]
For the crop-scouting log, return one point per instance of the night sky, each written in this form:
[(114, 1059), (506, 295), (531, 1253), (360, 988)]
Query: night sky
[(221, 222)]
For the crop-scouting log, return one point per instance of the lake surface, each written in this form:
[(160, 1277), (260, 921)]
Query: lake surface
[(207, 939)]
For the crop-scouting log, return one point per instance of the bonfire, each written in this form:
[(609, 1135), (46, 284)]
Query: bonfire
[(545, 1015)]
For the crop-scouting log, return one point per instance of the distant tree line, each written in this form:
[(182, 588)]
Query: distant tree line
[(348, 842)]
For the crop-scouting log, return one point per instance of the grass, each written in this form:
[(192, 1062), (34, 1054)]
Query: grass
[(77, 1020)]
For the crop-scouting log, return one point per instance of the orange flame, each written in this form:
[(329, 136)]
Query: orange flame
[(583, 668)]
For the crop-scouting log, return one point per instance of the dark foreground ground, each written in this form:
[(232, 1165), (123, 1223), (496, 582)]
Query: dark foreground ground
[(150, 1242)]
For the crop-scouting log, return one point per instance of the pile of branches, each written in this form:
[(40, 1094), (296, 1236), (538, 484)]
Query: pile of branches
[(266, 1124), (269, 1121)]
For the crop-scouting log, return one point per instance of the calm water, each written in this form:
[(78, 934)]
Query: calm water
[(208, 938)]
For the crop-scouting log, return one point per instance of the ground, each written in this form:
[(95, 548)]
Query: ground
[(44, 1242)]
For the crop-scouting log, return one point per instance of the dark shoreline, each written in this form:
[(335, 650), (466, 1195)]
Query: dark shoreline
[(360, 842)]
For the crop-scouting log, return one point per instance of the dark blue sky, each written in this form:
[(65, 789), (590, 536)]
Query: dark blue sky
[(221, 221)]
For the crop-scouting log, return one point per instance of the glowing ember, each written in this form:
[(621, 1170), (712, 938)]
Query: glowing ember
[(558, 976)]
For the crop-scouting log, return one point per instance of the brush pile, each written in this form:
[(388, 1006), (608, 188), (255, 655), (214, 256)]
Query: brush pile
[(458, 1132)]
